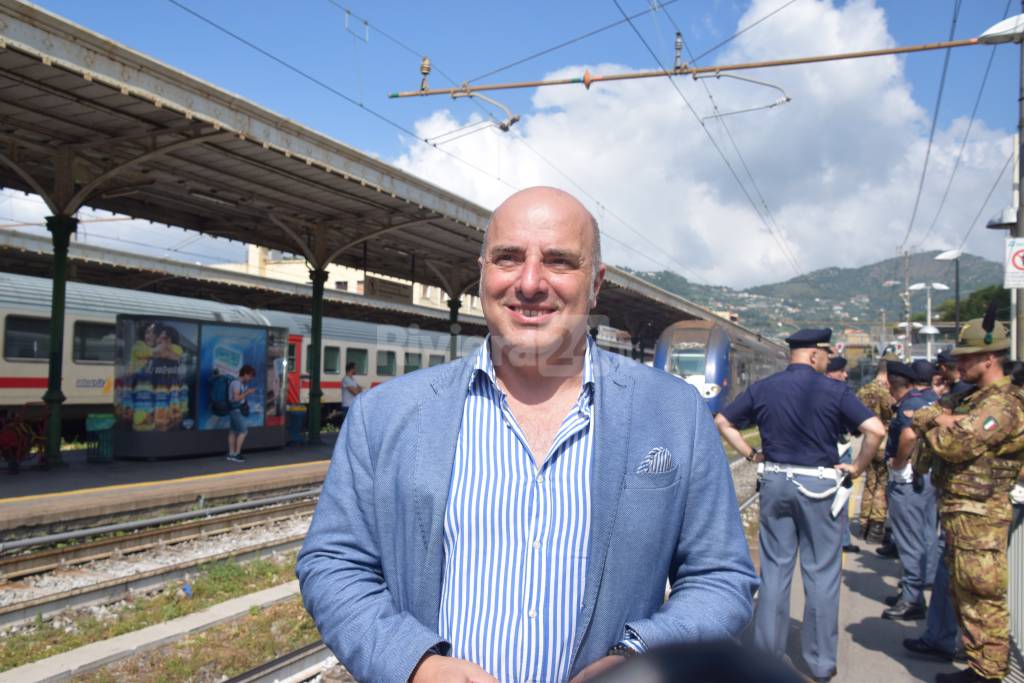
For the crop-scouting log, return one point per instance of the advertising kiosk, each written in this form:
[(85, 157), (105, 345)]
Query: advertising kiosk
[(165, 374)]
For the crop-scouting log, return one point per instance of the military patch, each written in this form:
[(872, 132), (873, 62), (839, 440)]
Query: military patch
[(989, 424)]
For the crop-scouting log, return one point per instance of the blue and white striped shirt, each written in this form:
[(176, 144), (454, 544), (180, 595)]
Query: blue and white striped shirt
[(516, 536)]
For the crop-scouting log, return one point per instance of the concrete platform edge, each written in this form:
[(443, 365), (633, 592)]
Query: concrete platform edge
[(90, 657)]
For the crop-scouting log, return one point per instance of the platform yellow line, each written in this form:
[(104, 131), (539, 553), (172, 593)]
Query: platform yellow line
[(118, 487)]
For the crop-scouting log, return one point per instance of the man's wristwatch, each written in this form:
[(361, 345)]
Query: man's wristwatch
[(753, 454), (621, 650)]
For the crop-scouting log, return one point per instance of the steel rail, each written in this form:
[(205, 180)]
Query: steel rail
[(294, 667), (112, 590), (57, 558), (134, 525)]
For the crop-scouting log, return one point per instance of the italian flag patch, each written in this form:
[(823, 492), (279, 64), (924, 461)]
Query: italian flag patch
[(989, 424)]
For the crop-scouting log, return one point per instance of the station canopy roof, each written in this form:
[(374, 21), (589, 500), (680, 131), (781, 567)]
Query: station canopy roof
[(139, 138)]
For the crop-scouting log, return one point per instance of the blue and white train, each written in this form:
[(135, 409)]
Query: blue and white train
[(718, 364)]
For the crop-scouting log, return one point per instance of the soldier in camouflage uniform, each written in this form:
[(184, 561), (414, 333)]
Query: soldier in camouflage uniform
[(873, 507), (977, 449)]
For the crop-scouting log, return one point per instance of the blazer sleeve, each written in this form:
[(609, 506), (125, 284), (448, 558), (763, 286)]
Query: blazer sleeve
[(713, 580), (340, 573)]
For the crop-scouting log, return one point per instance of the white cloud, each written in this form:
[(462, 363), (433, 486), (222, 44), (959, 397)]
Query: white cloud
[(839, 165)]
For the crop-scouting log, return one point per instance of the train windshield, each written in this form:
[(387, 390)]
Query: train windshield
[(687, 362)]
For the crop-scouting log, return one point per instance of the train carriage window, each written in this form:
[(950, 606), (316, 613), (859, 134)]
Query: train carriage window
[(332, 360), (93, 343), (413, 361), (386, 364), (26, 338), (361, 357), (436, 359), (309, 348)]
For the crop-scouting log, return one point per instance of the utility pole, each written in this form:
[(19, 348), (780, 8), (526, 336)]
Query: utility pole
[(883, 332), (1018, 229)]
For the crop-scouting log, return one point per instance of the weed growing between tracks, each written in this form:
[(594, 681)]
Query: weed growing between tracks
[(222, 651), (213, 583)]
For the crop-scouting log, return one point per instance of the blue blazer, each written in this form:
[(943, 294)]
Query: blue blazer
[(370, 569)]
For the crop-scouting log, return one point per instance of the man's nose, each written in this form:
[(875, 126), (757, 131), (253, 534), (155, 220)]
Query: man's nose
[(532, 282)]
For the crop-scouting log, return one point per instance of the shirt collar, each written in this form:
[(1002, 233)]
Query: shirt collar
[(483, 366)]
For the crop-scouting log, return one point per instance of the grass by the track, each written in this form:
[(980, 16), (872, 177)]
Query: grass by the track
[(222, 651), (212, 584)]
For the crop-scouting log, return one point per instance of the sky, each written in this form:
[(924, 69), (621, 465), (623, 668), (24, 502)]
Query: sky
[(829, 178)]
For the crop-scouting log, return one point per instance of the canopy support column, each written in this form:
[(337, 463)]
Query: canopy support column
[(454, 304), (318, 276), (61, 227)]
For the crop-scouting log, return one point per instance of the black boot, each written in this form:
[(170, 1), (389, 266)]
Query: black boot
[(876, 534), (904, 611)]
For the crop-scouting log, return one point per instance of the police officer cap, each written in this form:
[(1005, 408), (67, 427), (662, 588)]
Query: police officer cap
[(975, 339), (923, 371), (898, 369), (809, 339), (946, 357), (835, 364)]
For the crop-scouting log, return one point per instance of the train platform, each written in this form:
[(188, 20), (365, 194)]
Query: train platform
[(870, 647), (80, 490)]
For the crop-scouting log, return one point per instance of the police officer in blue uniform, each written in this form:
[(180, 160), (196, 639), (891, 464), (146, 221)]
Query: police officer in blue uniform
[(913, 504), (801, 414), (836, 370)]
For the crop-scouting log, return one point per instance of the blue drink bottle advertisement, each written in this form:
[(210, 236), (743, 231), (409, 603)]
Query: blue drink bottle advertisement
[(224, 350)]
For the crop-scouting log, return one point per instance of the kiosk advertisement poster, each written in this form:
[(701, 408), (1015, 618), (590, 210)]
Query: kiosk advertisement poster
[(224, 350), (274, 406), (154, 374)]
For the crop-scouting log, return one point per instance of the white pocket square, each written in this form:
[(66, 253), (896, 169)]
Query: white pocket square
[(658, 460)]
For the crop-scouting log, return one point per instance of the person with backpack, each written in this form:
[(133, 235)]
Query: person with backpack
[(236, 407)]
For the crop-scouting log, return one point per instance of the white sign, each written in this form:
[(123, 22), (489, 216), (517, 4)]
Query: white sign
[(1013, 263)]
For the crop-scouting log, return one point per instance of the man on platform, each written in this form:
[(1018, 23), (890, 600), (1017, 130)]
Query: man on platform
[(515, 515)]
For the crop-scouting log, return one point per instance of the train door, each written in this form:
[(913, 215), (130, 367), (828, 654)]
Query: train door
[(294, 368)]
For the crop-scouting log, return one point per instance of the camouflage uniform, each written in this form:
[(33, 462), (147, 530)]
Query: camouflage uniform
[(873, 506), (977, 462)]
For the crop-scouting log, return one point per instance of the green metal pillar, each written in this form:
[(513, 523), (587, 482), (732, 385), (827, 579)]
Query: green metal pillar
[(61, 227), (454, 304), (318, 276)]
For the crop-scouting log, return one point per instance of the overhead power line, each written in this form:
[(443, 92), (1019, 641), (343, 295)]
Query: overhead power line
[(370, 110), (739, 33), (451, 136), (788, 257), (931, 133), (967, 134), (981, 209)]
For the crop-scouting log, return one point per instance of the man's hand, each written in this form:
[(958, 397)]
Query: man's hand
[(601, 665), (947, 420), (440, 669), (849, 469)]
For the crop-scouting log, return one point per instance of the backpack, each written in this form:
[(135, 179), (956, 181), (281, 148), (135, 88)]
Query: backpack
[(220, 400)]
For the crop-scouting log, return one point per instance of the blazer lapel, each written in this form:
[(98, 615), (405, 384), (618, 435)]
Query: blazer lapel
[(613, 398), (439, 421)]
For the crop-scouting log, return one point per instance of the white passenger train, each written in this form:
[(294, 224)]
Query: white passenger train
[(380, 352)]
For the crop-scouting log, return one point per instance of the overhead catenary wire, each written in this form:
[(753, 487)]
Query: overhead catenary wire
[(764, 203), (787, 257), (520, 139), (963, 143), (931, 133), (981, 209), (719, 45)]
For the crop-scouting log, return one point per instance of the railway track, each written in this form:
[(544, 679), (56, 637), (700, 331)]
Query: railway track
[(299, 666), (120, 587), (37, 562)]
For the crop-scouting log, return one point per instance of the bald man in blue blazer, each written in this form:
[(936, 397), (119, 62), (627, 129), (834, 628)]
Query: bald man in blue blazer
[(516, 514)]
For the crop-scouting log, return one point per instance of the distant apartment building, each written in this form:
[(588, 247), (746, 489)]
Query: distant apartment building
[(290, 268)]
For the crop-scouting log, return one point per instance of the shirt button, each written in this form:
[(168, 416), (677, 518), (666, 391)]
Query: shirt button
[(536, 545), (533, 614), (540, 478)]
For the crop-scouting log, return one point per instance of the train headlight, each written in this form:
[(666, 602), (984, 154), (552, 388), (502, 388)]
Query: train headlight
[(712, 390)]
